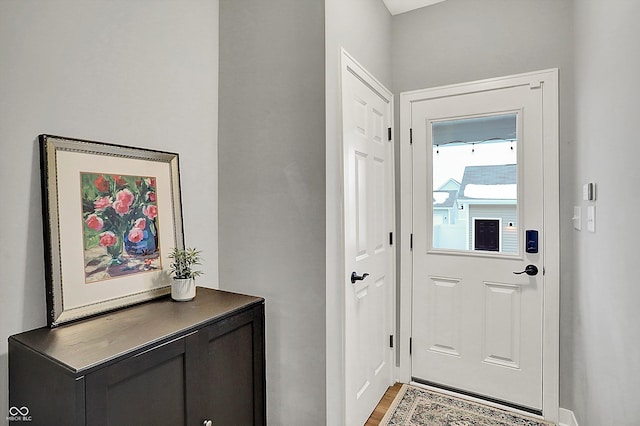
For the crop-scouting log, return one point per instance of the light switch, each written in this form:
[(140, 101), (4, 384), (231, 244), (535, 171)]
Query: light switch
[(591, 218), (577, 218)]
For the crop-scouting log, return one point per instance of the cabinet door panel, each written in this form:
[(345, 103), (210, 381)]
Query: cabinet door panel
[(231, 376), (148, 389), (236, 369)]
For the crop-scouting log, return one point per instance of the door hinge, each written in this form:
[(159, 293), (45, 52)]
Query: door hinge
[(410, 345), (389, 136), (410, 136), (411, 242), (391, 341), (390, 238)]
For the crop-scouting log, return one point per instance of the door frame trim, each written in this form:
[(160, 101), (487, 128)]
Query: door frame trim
[(548, 79)]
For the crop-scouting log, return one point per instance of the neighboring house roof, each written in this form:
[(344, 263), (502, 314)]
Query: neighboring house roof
[(444, 199), (496, 182), (450, 184)]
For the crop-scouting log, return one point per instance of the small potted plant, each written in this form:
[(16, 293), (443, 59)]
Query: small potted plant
[(183, 287)]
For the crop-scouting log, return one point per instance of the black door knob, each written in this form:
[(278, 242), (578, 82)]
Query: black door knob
[(529, 270), (355, 277)]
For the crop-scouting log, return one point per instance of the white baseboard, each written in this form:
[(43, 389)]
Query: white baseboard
[(566, 418)]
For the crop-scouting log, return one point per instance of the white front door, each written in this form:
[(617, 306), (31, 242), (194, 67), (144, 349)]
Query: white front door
[(368, 219), (477, 321)]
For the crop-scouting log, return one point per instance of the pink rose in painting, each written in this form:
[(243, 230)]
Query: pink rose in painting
[(140, 223), (125, 196), (121, 207), (150, 211), (94, 222), (107, 239), (102, 203), (136, 235), (123, 202), (151, 182), (151, 196)]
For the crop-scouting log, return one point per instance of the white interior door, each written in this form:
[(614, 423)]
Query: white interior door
[(476, 326), (368, 219)]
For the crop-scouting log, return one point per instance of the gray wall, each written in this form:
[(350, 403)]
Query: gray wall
[(465, 40), (272, 189), (363, 29), (137, 73), (601, 375)]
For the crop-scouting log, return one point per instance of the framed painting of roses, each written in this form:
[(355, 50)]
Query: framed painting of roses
[(111, 215)]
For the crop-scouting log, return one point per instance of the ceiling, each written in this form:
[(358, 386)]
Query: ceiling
[(400, 6)]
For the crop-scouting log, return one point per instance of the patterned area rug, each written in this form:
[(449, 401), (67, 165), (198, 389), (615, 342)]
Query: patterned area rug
[(415, 406)]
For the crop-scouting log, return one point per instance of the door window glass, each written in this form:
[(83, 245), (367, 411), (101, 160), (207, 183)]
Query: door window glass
[(475, 185)]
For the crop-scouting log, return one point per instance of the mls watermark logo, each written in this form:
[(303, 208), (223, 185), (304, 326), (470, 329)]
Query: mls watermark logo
[(20, 414)]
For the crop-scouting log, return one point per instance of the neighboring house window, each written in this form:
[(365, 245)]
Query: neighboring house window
[(487, 234)]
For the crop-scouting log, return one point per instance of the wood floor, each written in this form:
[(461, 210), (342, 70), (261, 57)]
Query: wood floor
[(383, 405)]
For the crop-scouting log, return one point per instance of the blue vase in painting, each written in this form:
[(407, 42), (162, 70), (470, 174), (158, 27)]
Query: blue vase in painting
[(141, 240)]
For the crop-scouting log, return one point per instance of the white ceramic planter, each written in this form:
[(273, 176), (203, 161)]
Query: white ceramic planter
[(183, 290)]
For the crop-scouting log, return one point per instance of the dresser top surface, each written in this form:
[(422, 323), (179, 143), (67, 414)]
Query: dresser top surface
[(80, 346)]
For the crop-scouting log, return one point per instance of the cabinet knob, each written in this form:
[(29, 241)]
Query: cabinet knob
[(207, 423)]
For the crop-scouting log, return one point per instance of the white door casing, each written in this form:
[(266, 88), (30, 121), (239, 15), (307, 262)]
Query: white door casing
[(476, 326), (368, 219)]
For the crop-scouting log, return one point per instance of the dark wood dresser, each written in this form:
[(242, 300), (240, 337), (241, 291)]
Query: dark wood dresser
[(158, 363)]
